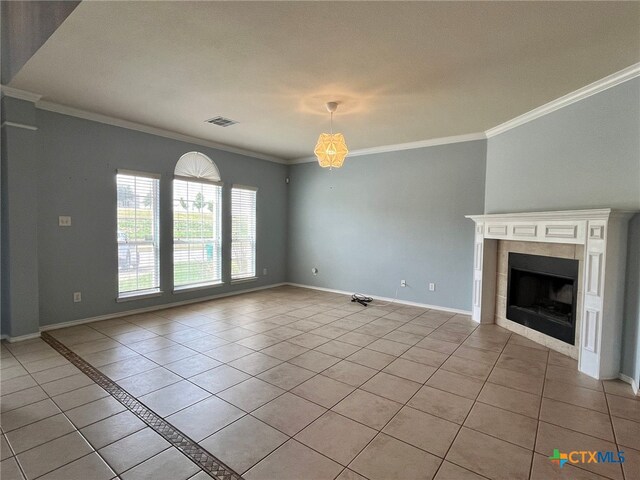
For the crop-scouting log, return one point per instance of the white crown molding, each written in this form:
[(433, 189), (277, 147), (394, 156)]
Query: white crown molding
[(596, 87), (139, 127), (18, 125), (386, 299), (403, 146), (20, 94), (573, 97)]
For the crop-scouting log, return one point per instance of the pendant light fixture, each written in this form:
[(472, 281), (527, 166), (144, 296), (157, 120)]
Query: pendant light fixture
[(331, 148)]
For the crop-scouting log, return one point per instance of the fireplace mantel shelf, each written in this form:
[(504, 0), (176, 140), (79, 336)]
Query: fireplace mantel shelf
[(570, 215), (603, 233), (568, 226)]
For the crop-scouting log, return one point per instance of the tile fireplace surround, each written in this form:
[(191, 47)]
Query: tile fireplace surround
[(597, 239)]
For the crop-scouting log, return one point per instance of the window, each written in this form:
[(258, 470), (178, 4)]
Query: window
[(243, 232), (138, 233), (197, 237)]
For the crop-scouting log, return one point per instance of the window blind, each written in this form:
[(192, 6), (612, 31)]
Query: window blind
[(243, 232), (197, 239), (138, 233)]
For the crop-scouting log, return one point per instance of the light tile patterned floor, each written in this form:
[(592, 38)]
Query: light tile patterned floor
[(290, 383)]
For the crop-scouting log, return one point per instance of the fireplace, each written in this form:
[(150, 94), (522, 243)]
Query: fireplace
[(542, 294), (594, 242)]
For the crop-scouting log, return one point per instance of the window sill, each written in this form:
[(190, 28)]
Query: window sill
[(139, 295), (244, 280), (196, 287)]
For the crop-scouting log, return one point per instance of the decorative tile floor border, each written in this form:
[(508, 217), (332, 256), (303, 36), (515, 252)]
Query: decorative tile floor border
[(198, 455)]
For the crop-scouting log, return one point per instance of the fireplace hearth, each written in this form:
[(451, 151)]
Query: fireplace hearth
[(542, 294)]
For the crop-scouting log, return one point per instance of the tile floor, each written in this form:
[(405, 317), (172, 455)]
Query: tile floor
[(290, 383)]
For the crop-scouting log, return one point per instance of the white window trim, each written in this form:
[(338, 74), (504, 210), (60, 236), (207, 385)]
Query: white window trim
[(136, 173), (202, 285), (255, 276), (151, 292), (243, 280), (197, 286), (139, 295), (244, 187)]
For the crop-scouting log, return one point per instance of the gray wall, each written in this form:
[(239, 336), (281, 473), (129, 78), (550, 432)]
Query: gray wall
[(380, 219), (19, 219), (388, 217), (586, 155), (77, 161), (631, 335), (4, 250)]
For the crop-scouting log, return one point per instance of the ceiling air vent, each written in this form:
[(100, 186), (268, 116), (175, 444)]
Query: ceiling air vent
[(221, 121)]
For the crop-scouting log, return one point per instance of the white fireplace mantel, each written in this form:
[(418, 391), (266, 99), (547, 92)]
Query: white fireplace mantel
[(603, 233)]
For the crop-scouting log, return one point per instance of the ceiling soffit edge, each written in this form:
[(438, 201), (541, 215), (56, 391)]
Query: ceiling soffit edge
[(598, 86), (97, 117), (432, 142), (19, 94)]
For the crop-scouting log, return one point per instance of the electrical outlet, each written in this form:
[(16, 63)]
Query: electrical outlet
[(403, 283), (432, 287), (64, 221), (264, 271), (77, 297)]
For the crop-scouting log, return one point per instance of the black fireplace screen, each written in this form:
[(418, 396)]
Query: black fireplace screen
[(542, 293)]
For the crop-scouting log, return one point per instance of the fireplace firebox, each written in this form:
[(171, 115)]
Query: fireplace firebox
[(542, 294)]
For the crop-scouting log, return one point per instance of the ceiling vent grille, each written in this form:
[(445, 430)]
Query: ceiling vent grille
[(221, 121)]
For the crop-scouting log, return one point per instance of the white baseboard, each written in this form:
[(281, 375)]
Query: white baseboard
[(631, 381), (164, 306), (81, 321), (386, 299), (20, 338)]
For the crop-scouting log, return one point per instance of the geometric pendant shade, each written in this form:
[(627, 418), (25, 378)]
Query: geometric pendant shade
[(331, 148)]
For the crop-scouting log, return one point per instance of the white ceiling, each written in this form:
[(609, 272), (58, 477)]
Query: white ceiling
[(403, 71)]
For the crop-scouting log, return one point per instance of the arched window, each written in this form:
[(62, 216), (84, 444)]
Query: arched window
[(197, 165), (197, 230)]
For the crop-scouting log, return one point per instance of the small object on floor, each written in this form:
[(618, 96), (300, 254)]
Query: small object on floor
[(361, 299)]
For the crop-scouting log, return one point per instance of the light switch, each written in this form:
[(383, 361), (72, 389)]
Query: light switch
[(64, 221)]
